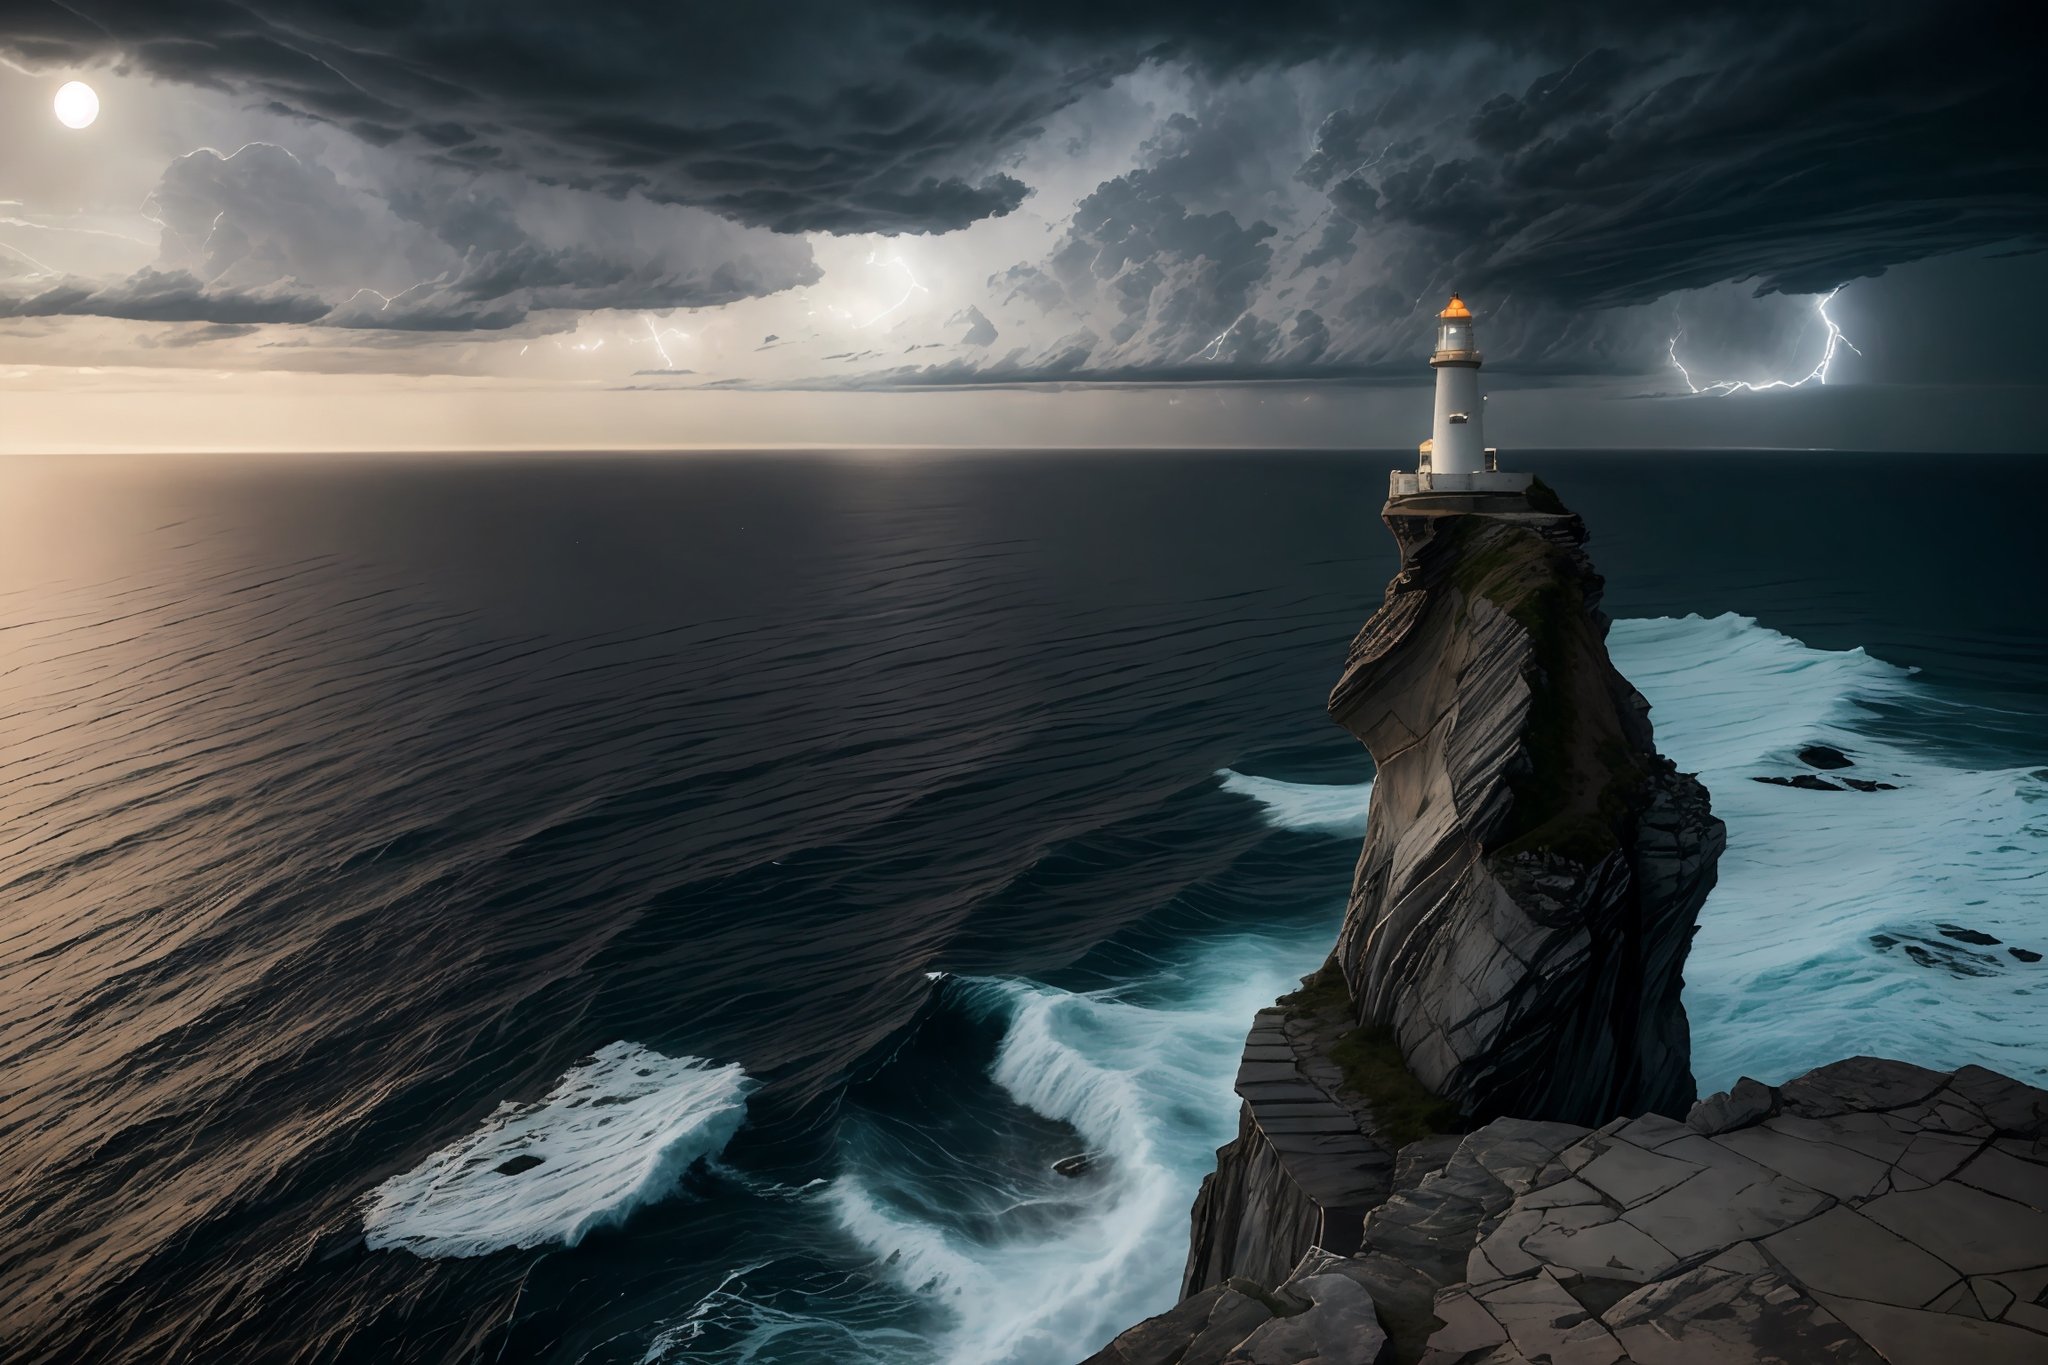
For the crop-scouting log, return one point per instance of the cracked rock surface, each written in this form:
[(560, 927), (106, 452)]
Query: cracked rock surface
[(1868, 1213)]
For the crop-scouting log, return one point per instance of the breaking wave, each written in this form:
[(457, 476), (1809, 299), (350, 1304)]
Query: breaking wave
[(1847, 922), (1310, 807), (1002, 1260), (1064, 1264), (973, 1252), (616, 1132)]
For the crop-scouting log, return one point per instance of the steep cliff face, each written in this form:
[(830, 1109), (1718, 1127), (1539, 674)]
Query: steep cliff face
[(1517, 929), (1533, 868)]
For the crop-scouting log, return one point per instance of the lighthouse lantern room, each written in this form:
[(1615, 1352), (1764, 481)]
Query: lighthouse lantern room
[(1455, 458)]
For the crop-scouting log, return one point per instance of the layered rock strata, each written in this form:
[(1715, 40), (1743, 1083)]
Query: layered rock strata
[(1515, 938), (1305, 1166), (1533, 869)]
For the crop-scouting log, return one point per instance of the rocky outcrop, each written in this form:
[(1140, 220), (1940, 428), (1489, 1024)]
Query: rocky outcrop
[(1510, 968), (1868, 1212), (1322, 1312), (1305, 1166), (1533, 869)]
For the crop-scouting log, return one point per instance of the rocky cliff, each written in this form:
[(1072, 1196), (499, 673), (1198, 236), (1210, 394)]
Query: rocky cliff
[(1533, 868), (1519, 919), (1460, 1141)]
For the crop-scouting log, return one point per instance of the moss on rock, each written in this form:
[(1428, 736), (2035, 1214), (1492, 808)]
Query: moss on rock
[(1369, 1056)]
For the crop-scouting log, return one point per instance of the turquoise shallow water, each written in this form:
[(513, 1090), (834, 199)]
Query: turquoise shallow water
[(678, 908)]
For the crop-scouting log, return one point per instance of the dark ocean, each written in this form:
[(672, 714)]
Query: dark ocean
[(677, 908)]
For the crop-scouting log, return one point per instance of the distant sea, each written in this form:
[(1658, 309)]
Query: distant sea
[(678, 908)]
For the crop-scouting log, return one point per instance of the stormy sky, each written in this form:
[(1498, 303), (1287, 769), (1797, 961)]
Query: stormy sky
[(417, 223)]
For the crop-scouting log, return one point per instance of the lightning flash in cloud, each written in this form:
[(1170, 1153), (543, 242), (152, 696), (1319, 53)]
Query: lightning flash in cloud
[(1819, 372), (912, 290), (1214, 349), (659, 336)]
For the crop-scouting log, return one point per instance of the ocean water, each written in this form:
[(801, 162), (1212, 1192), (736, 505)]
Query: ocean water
[(639, 909)]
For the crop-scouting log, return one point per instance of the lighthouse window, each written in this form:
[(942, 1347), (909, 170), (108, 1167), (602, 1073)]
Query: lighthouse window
[(1459, 419)]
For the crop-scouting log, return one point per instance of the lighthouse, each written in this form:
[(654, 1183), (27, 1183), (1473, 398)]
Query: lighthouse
[(1456, 442), (1456, 458)]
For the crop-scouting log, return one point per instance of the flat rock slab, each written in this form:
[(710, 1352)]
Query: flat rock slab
[(1870, 1213)]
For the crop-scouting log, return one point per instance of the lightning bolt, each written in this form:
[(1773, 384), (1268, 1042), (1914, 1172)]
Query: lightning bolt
[(659, 337), (1211, 351), (386, 300), (909, 293), (1368, 165), (1724, 387)]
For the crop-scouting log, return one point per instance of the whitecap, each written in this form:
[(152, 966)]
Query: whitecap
[(1311, 807), (616, 1132), (1147, 1083), (1789, 970)]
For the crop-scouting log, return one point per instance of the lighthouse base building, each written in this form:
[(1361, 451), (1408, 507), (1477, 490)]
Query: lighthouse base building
[(1456, 459)]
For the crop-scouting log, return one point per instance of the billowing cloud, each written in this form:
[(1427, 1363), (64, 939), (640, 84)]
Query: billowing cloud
[(264, 235), (1311, 177)]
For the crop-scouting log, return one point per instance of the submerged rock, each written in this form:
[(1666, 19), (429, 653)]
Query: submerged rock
[(1824, 756), (1804, 781), (1938, 953), (1071, 1166), (525, 1161), (1962, 935)]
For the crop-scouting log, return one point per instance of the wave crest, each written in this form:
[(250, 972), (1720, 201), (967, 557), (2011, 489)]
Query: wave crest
[(1309, 807), (1146, 1083)]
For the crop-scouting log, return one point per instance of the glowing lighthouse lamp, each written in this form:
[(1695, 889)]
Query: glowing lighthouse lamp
[(1456, 458)]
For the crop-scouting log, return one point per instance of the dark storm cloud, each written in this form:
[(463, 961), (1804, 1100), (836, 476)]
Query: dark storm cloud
[(803, 115), (1176, 278), (1798, 154), (1591, 154), (166, 296), (798, 116), (1791, 154)]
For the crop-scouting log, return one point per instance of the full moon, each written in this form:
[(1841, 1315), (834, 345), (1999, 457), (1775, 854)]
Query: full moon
[(77, 105)]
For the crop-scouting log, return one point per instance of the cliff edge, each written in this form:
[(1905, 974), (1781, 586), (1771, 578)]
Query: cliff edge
[(1471, 1138), (1533, 869)]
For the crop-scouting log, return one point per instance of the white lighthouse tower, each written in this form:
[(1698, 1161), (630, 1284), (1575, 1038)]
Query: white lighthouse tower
[(1456, 458)]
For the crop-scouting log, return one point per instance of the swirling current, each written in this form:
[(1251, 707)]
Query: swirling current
[(681, 908)]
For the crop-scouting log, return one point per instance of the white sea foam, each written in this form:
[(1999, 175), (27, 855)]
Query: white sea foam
[(1314, 808), (1783, 975), (1148, 1087), (616, 1132)]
